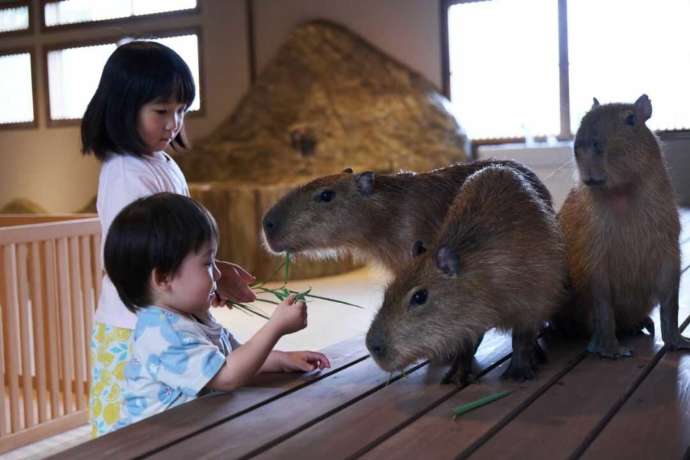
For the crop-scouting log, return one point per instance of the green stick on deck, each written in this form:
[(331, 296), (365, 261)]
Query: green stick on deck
[(464, 408)]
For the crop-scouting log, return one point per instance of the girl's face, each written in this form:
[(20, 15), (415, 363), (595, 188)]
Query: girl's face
[(192, 287), (159, 122)]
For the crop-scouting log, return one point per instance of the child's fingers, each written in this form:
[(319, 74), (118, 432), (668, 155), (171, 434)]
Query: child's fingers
[(320, 359)]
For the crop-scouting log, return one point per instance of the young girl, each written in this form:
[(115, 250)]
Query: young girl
[(160, 255), (137, 111)]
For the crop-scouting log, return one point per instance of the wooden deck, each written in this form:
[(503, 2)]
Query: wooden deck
[(579, 406)]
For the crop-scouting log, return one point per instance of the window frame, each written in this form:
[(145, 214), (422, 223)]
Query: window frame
[(152, 34), (34, 89), (17, 4), (564, 78), (128, 20)]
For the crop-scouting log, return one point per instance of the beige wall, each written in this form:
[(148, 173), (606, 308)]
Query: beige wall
[(408, 30), (44, 164)]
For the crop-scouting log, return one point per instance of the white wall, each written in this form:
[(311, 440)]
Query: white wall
[(44, 164)]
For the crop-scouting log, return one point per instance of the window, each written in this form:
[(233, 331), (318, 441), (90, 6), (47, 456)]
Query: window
[(71, 85), (16, 89), (504, 62), (620, 49), (14, 17), (66, 12)]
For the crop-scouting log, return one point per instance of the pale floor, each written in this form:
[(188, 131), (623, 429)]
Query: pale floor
[(329, 323)]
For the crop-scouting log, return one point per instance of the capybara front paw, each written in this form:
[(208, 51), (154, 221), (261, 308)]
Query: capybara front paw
[(519, 373), (608, 350), (678, 343), (459, 378)]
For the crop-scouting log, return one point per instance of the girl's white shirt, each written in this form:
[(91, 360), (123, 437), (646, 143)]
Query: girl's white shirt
[(123, 179)]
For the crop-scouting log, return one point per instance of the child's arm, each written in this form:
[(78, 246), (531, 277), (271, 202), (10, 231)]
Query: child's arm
[(244, 362), (290, 361)]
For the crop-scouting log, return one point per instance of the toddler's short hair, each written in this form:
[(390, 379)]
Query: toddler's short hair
[(154, 232)]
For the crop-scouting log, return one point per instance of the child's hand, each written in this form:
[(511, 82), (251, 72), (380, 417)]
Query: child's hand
[(305, 361), (233, 284), (290, 315)]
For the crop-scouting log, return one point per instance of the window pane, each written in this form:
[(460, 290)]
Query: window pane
[(80, 11), (71, 83), (504, 67), (12, 19), (16, 92), (620, 49), (188, 48)]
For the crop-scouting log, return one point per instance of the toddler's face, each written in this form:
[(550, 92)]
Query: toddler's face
[(159, 122), (194, 284)]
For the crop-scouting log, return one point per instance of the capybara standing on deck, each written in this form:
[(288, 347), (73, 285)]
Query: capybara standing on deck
[(378, 217), (621, 229), (499, 261)]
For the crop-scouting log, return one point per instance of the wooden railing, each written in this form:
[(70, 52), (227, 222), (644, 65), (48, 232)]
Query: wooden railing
[(50, 275)]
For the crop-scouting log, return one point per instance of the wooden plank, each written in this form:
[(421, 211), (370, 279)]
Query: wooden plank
[(97, 264), (435, 434), (382, 412), (10, 220), (241, 435), (4, 423), (658, 412), (90, 299), (53, 343), (38, 289), (189, 419), (46, 231), (77, 306), (11, 324), (584, 400), (25, 334), (655, 421), (65, 324)]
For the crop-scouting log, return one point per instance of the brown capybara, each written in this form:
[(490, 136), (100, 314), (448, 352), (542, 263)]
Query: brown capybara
[(621, 230), (499, 261), (376, 217)]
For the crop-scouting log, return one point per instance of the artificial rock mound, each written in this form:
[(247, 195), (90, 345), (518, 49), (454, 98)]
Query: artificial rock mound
[(327, 101)]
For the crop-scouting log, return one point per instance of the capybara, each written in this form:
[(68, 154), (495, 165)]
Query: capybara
[(621, 230), (377, 217), (499, 261)]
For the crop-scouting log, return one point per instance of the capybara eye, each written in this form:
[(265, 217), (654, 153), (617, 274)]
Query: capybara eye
[(597, 147), (630, 119), (419, 297), (326, 196)]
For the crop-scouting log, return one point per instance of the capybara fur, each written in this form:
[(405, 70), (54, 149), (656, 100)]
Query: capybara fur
[(621, 230), (499, 261), (376, 217)]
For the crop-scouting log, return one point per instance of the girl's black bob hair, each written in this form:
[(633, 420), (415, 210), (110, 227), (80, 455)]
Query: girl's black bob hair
[(137, 73), (154, 232)]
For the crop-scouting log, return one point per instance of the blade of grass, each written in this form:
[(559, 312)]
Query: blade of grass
[(329, 299), (464, 408)]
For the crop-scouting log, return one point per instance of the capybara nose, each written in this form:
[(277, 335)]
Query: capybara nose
[(376, 345), (592, 182)]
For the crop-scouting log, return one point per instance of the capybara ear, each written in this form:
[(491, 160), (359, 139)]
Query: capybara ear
[(595, 103), (643, 107), (365, 182), (447, 261), (347, 171), (418, 248)]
